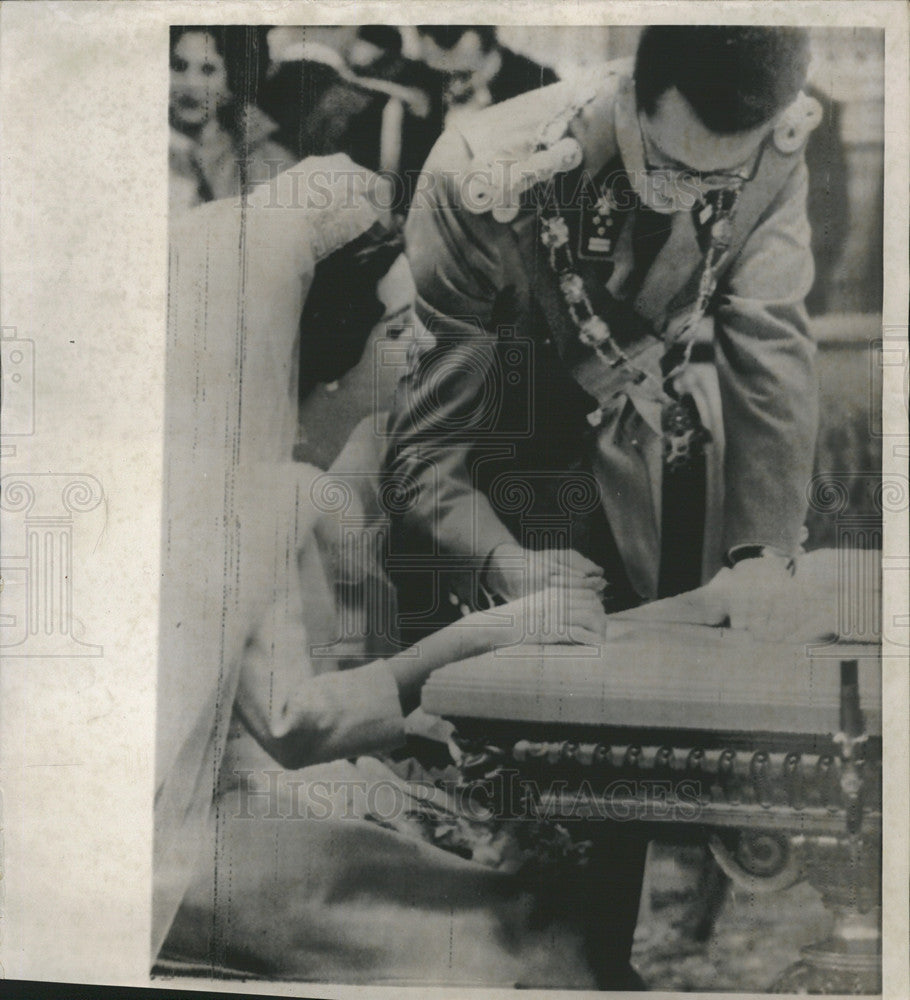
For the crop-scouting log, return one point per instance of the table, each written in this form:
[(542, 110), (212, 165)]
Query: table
[(770, 751)]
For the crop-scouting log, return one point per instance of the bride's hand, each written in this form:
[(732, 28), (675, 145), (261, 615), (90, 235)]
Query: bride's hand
[(558, 614)]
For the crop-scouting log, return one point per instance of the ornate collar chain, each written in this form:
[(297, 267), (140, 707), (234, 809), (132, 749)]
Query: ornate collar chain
[(681, 435)]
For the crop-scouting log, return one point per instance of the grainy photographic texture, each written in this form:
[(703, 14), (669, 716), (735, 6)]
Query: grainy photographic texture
[(563, 357), (534, 400)]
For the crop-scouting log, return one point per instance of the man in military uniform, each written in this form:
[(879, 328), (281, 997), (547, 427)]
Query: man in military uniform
[(613, 381)]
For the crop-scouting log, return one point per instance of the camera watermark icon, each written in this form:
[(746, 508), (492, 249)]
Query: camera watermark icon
[(18, 366), (890, 354), (495, 376), (37, 598)]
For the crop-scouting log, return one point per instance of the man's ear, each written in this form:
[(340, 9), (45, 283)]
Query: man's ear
[(795, 122)]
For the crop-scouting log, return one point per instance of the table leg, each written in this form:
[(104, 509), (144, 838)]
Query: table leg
[(846, 871)]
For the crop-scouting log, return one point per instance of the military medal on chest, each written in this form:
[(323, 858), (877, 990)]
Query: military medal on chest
[(598, 228)]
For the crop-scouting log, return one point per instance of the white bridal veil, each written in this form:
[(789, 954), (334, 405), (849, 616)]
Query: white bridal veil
[(235, 506)]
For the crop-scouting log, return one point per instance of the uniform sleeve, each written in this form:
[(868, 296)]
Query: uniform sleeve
[(445, 404), (766, 369)]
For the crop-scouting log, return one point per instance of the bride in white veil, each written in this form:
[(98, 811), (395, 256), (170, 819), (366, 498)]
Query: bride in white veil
[(344, 898), (238, 279)]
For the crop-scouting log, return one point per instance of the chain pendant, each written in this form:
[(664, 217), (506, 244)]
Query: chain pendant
[(684, 435)]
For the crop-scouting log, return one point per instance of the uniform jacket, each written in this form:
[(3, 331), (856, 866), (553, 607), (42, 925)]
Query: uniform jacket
[(489, 433)]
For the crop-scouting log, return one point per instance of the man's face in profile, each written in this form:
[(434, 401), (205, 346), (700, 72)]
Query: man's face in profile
[(675, 135), (681, 158)]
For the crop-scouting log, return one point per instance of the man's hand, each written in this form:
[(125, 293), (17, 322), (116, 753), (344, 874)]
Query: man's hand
[(762, 597), (514, 571)]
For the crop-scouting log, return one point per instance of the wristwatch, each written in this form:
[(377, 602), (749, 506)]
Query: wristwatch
[(740, 553)]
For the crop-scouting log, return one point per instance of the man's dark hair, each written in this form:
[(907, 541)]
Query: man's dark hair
[(735, 78), (447, 36)]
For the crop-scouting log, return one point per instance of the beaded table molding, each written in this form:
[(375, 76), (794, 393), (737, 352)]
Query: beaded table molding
[(783, 786)]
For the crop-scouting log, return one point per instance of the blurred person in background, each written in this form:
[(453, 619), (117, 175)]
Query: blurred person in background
[(355, 92), (360, 96), (475, 69), (302, 65), (380, 128), (220, 142)]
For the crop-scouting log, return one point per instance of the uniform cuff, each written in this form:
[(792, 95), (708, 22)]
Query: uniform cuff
[(749, 550)]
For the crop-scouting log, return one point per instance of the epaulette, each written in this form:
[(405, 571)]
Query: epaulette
[(497, 184), (797, 121), (531, 144)]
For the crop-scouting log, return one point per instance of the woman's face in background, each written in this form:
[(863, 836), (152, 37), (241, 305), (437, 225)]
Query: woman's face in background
[(198, 80)]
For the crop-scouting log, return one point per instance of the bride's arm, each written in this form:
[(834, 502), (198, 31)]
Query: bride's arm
[(552, 615), (302, 719)]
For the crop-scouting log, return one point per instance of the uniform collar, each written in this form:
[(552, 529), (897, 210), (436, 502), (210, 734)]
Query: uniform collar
[(595, 127)]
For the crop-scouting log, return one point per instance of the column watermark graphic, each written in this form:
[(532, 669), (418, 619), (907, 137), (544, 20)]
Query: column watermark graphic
[(863, 570), (39, 512)]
